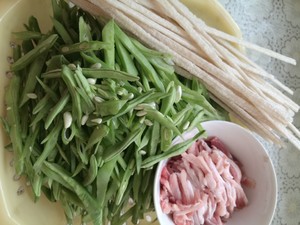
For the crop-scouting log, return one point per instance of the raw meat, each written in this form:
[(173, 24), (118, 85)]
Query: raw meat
[(203, 185)]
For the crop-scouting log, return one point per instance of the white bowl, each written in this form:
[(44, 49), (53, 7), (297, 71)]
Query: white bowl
[(256, 165)]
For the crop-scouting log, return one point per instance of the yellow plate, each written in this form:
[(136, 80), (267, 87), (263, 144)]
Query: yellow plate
[(21, 210)]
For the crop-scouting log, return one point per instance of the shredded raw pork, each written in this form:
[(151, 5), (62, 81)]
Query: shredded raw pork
[(203, 185)]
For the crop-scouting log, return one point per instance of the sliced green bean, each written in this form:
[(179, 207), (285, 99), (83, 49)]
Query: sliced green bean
[(92, 171), (42, 47), (149, 70), (108, 36), (124, 183), (27, 35), (113, 151), (48, 90), (34, 24), (84, 46), (56, 110), (76, 106), (103, 178), (110, 107), (174, 150), (97, 135), (108, 73), (126, 60), (84, 30), (155, 137), (50, 145), (149, 52), (13, 118), (87, 200), (61, 30), (34, 70), (93, 59), (162, 119), (166, 138), (131, 105), (55, 62)]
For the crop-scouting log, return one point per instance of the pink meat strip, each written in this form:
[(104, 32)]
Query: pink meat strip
[(203, 186)]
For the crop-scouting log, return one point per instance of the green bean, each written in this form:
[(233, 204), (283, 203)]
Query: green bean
[(71, 134), (160, 64), (155, 134), (199, 100), (158, 116), (37, 186), (92, 172), (145, 139), (62, 153), (71, 196), (29, 144), (57, 9), (174, 150), (131, 104), (197, 119), (83, 155), (149, 70), (50, 145), (108, 73), (93, 59), (126, 60), (84, 46), (166, 138), (55, 62), (97, 135), (124, 183), (113, 151), (27, 46), (149, 52), (48, 90), (84, 30), (42, 113), (33, 24), (84, 83), (87, 105), (168, 102), (56, 110), (68, 210), (27, 35), (124, 217), (110, 107), (179, 117), (61, 30), (80, 166), (137, 182), (76, 107), (103, 178), (65, 179), (42, 47), (13, 118), (145, 81), (34, 71), (24, 121), (5, 124), (108, 36)]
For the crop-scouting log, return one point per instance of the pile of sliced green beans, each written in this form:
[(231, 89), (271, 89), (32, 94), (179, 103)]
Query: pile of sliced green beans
[(91, 111)]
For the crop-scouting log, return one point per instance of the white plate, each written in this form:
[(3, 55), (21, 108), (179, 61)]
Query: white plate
[(21, 210)]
